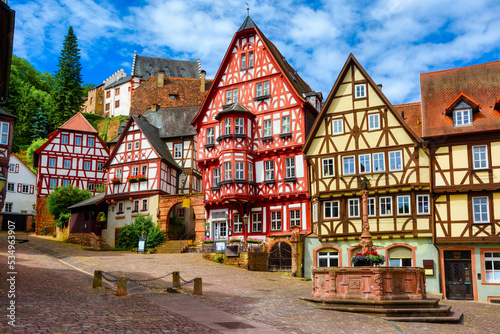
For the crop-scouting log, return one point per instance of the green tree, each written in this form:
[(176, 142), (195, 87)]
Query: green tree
[(130, 233), (39, 123), (69, 92), (32, 148), (63, 197)]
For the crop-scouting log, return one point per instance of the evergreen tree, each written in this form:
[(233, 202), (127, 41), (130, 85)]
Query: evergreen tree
[(68, 94), (39, 123)]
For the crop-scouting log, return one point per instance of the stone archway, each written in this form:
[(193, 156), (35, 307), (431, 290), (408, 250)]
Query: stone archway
[(280, 256), (168, 204)]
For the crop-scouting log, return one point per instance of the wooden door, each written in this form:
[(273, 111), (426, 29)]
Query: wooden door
[(458, 279), (280, 257)]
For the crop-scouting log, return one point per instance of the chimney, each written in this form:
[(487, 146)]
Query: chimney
[(154, 107), (202, 83), (161, 78)]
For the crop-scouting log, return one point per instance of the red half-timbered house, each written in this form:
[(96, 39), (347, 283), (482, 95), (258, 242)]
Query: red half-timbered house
[(250, 130), (74, 155), (140, 169)]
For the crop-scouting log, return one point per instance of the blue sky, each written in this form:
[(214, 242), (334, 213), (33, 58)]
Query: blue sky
[(394, 40)]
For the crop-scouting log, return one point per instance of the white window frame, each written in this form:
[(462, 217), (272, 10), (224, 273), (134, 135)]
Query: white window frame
[(250, 171), (353, 207), (276, 221), (91, 187), (239, 125), (100, 166), (12, 168), (216, 176), (491, 256), (268, 128), (144, 170), (229, 96), (351, 163), (269, 170), (250, 59), (67, 163), (377, 161), (137, 145), (227, 170), (360, 91), (52, 162), (481, 207), (210, 135), (52, 183), (136, 206), (394, 158), (178, 151), (257, 222), (78, 141), (64, 139), (402, 200), (90, 142), (422, 200), (243, 61), (239, 170), (262, 88), (87, 165), (337, 126), (25, 188), (118, 173), (285, 124), (144, 205), (384, 201), (294, 218), (227, 126), (135, 170), (290, 167), (129, 146), (462, 117), (235, 96), (329, 256), (328, 166), (374, 121), (366, 162), (121, 208), (4, 133), (237, 224), (331, 205), (372, 206), (480, 156)]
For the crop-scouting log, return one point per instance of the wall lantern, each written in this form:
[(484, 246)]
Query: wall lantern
[(245, 219)]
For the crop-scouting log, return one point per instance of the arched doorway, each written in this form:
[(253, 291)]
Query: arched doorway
[(181, 222), (280, 257)]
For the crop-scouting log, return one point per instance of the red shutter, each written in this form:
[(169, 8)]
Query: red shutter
[(32, 189), (19, 187), (17, 168)]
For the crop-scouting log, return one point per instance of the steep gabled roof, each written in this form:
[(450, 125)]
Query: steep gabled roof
[(412, 115), (173, 122), (480, 83), (462, 98), (78, 123), (118, 82), (351, 60), (293, 78), (145, 67), (13, 154), (152, 135)]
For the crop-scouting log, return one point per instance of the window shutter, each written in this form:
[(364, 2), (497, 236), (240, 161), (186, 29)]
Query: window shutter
[(17, 168), (32, 189), (19, 187)]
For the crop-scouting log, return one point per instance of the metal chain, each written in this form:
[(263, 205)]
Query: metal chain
[(141, 282), (149, 280), (108, 279)]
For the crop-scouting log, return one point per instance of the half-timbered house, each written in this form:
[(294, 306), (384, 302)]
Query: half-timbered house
[(461, 121), (359, 135), (140, 169), (250, 130), (74, 155)]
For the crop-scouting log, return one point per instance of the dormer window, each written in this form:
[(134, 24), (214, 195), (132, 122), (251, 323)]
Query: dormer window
[(462, 117)]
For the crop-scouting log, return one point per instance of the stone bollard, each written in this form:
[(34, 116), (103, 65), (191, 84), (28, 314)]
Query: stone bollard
[(97, 279), (121, 288), (176, 280), (197, 290)]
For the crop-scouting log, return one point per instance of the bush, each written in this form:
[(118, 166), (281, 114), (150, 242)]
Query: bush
[(219, 258), (63, 197), (129, 235)]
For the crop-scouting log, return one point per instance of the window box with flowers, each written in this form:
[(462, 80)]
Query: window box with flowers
[(207, 240), (235, 240), (136, 178), (116, 180), (367, 259), (254, 241)]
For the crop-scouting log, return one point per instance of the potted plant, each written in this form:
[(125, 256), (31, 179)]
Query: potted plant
[(116, 180), (367, 259)]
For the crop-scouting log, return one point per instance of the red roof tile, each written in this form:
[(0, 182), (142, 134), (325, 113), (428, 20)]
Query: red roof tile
[(78, 123), (412, 115), (481, 85)]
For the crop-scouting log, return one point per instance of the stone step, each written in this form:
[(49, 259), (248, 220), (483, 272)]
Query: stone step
[(382, 304), (440, 311), (453, 317)]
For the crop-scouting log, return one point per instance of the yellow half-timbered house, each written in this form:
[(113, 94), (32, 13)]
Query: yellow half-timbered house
[(461, 121), (359, 134)]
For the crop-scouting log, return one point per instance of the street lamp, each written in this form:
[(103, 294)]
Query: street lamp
[(245, 223)]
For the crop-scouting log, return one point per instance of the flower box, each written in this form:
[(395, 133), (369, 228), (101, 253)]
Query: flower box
[(367, 259), (254, 241), (116, 180), (207, 241)]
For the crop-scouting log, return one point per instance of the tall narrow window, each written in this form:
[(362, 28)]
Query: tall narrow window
[(229, 97), (227, 170), (239, 169), (78, 141), (53, 183), (404, 205), (4, 133), (365, 165), (285, 124), (227, 126), (385, 206), (243, 61), (239, 127), (275, 220), (136, 206), (294, 218), (67, 163), (86, 165), (256, 222), (290, 167), (91, 187), (100, 166), (480, 209), (337, 126), (117, 91), (216, 174), (269, 170), (328, 167), (423, 204), (237, 224), (378, 162), (360, 91), (479, 157), (268, 128), (371, 206), (177, 151), (135, 171), (348, 163), (144, 205), (52, 162), (64, 139), (492, 267), (137, 144), (250, 172), (373, 121), (90, 142), (120, 208), (395, 160), (119, 173), (144, 170), (353, 207), (210, 136), (235, 95), (250, 59)]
